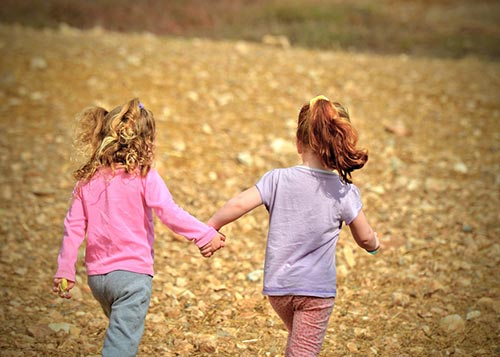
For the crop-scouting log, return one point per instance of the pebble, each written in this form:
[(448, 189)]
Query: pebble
[(58, 326), (427, 330), (206, 343), (352, 347), (255, 275), (487, 303), (39, 330), (245, 158), (452, 324), (38, 63), (400, 299), (460, 167), (466, 228), (282, 146), (179, 145), (471, 315)]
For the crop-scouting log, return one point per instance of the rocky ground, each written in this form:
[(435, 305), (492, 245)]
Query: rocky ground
[(226, 114)]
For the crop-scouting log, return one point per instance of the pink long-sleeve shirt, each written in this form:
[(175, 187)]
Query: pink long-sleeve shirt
[(115, 212)]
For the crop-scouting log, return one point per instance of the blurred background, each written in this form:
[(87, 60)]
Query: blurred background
[(444, 28)]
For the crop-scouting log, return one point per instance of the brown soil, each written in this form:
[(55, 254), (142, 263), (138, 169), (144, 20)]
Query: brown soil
[(226, 114)]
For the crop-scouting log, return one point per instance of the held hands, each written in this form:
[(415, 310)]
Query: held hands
[(215, 244), (62, 286)]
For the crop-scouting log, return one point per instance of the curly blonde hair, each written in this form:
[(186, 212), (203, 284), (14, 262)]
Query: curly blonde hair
[(123, 137)]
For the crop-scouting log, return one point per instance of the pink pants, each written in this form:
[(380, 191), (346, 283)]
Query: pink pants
[(306, 319)]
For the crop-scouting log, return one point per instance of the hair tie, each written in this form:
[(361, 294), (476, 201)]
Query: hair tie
[(315, 99), (141, 105)]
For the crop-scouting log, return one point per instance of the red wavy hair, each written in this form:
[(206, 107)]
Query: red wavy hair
[(326, 129)]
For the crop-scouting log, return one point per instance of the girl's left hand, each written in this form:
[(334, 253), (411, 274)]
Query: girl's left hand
[(61, 290)]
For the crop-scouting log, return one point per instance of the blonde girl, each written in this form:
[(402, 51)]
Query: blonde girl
[(307, 205), (115, 195)]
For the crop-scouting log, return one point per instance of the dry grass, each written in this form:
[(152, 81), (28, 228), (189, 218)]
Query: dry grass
[(440, 28)]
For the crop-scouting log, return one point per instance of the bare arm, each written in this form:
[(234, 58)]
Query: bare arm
[(236, 207), (363, 233)]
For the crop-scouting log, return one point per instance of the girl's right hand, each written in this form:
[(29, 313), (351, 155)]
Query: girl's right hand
[(62, 286)]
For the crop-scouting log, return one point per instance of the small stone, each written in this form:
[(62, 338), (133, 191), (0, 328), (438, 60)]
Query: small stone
[(433, 287), (460, 167), (134, 60), (38, 63), (486, 303), (471, 315), (188, 294), (207, 344), (351, 346), (452, 324), (282, 146), (179, 146), (466, 228), (75, 331), (427, 330), (359, 332), (400, 299), (213, 176), (193, 96), (242, 47), (39, 330), (36, 96), (255, 275), (21, 271), (181, 282), (378, 189), (245, 158), (58, 326), (207, 129)]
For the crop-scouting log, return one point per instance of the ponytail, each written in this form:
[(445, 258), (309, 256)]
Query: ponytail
[(325, 127)]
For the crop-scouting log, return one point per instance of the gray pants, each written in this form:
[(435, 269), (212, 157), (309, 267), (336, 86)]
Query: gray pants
[(124, 297)]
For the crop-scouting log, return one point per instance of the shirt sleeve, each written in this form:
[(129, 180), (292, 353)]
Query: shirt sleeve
[(158, 197), (266, 186), (75, 226), (351, 205)]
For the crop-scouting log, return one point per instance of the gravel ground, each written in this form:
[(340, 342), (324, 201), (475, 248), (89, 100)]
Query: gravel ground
[(226, 114)]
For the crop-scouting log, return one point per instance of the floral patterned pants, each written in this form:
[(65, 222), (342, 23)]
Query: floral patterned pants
[(306, 319)]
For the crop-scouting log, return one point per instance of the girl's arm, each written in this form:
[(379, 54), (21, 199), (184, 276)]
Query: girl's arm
[(236, 207), (363, 233)]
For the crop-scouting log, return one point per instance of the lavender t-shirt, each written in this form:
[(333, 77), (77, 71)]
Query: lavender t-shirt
[(306, 210)]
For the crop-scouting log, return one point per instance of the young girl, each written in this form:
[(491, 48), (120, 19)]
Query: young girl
[(307, 205), (113, 200)]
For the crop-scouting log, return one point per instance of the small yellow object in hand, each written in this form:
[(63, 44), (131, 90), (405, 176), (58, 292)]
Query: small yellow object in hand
[(63, 286)]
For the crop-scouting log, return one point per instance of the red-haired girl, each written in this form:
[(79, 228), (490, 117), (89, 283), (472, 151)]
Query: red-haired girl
[(307, 205)]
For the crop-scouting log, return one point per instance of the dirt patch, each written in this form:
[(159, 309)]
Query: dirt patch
[(226, 114)]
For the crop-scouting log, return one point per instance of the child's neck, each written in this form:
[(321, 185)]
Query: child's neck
[(313, 161)]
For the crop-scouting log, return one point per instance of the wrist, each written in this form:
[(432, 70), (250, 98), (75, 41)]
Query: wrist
[(377, 246)]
